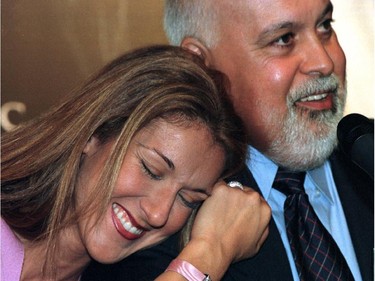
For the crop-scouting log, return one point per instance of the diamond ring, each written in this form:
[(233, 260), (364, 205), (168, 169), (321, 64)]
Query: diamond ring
[(235, 184)]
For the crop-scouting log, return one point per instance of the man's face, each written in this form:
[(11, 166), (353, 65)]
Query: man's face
[(287, 72)]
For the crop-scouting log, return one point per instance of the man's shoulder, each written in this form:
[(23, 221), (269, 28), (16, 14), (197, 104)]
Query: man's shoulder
[(349, 177)]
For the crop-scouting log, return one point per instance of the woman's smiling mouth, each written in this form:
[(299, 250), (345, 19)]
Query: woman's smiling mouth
[(125, 223)]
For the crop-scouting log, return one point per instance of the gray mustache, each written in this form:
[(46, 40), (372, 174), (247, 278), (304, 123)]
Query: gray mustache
[(315, 86)]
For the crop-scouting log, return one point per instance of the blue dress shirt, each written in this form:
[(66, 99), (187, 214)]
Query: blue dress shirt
[(321, 189)]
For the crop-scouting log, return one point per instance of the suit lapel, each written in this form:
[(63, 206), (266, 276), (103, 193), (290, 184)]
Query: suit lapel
[(356, 191), (271, 263)]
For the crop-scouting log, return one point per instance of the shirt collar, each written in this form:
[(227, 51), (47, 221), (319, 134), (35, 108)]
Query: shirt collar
[(264, 171), (322, 179)]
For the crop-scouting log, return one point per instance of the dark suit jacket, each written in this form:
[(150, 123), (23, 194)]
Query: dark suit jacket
[(356, 191)]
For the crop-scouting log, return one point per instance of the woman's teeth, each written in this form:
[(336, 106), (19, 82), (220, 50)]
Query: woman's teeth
[(123, 218), (314, 97)]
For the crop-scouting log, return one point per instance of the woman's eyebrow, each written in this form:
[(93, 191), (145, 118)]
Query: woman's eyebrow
[(165, 158)]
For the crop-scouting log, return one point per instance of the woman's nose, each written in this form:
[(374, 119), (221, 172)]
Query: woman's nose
[(158, 208)]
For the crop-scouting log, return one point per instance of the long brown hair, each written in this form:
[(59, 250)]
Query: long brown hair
[(41, 159)]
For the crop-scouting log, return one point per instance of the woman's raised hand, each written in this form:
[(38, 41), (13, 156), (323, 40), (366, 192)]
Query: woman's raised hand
[(231, 225)]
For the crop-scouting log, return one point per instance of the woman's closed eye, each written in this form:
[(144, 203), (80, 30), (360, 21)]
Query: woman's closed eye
[(192, 201), (149, 171)]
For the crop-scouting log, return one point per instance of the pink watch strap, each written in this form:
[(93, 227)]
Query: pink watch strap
[(186, 269)]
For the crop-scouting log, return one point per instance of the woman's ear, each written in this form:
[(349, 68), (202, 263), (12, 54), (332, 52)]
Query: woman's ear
[(91, 146), (198, 48)]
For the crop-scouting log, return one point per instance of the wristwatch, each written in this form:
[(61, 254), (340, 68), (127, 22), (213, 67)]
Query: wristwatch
[(187, 270)]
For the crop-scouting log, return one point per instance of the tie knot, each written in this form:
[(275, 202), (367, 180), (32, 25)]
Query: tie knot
[(289, 182)]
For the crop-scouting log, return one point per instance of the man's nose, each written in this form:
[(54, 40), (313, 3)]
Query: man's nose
[(157, 208), (317, 59)]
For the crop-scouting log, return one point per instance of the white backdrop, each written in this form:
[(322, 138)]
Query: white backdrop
[(354, 24)]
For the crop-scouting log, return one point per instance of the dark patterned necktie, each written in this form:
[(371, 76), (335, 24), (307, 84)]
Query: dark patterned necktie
[(315, 253)]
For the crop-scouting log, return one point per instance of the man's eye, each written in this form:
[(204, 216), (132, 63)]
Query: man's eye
[(326, 26), (192, 205), (284, 40), (148, 171)]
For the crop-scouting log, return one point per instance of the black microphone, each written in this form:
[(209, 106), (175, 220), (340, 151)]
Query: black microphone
[(355, 133)]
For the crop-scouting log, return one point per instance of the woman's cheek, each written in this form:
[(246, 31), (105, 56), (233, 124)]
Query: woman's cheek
[(178, 219)]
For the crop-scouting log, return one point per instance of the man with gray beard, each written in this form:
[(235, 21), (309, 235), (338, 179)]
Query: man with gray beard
[(286, 71), (314, 147)]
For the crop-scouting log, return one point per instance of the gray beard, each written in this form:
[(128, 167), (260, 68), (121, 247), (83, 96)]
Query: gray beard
[(297, 146)]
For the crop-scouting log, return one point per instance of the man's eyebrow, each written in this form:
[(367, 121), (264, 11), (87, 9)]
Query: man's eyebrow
[(328, 9), (272, 29), (275, 27), (165, 158), (269, 31)]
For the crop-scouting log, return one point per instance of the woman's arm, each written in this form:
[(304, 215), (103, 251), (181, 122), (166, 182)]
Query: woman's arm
[(230, 226)]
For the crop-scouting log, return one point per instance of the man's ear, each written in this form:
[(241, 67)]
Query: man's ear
[(197, 47), (91, 146)]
